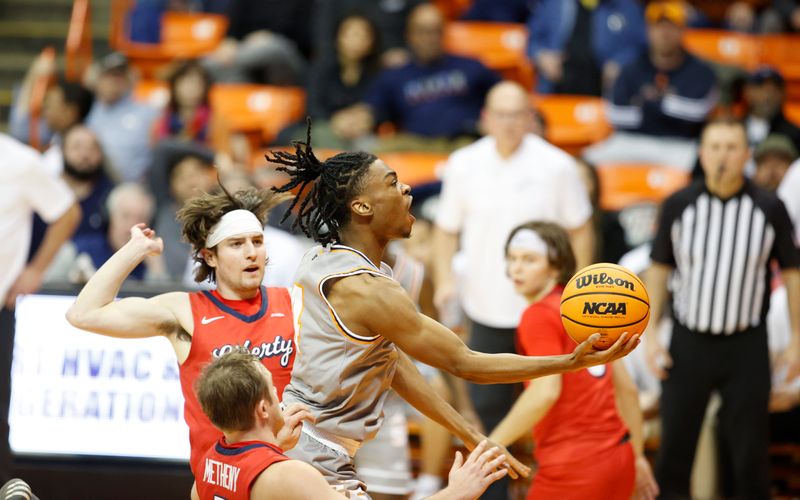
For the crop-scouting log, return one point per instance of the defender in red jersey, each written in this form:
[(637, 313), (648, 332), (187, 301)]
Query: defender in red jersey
[(237, 394), (587, 426), (226, 233)]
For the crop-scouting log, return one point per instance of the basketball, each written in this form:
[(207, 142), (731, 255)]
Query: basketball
[(605, 298)]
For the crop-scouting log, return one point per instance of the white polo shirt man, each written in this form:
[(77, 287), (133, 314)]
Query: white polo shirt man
[(484, 196), (25, 187)]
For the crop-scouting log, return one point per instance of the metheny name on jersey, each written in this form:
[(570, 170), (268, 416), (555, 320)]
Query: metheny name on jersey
[(603, 279), (221, 474), (278, 347)]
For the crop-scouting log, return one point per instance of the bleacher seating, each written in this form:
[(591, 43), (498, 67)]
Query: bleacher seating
[(184, 35), (500, 46), (724, 47), (625, 184), (260, 111), (573, 122)]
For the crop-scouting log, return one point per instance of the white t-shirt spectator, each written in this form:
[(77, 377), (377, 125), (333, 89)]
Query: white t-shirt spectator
[(485, 196), (789, 193), (25, 187)]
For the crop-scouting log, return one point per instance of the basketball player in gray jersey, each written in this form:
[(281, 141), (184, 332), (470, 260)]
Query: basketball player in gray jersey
[(356, 326)]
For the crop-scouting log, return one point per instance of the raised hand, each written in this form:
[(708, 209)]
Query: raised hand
[(645, 487), (512, 466), (469, 479), (146, 239), (293, 417)]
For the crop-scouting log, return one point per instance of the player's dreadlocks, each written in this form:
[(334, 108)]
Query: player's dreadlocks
[(324, 211)]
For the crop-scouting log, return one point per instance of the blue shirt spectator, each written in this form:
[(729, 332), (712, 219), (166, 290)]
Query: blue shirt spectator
[(672, 103), (99, 249), (122, 124), (124, 130), (440, 99), (613, 32), (666, 92), (82, 166)]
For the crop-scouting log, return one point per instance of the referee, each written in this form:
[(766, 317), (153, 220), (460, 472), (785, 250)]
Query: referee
[(715, 243)]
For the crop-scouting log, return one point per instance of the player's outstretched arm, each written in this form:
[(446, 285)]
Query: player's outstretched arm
[(377, 306), (412, 386), (529, 408), (96, 310), (627, 397)]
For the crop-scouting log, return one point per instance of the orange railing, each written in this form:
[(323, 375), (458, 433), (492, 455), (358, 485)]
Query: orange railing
[(79, 40), (36, 101)]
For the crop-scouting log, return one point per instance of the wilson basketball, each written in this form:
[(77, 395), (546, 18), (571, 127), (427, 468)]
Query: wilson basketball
[(604, 298)]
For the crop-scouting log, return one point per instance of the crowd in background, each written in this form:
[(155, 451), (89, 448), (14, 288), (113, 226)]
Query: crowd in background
[(368, 66)]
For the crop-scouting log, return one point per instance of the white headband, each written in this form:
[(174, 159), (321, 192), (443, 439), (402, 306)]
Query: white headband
[(528, 239), (233, 223)]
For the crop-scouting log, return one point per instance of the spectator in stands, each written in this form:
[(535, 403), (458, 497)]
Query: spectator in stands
[(122, 124), (434, 100), (784, 401), (577, 45), (764, 96), (65, 104), (189, 175), (128, 204), (88, 176), (520, 177), (660, 101), (746, 16), (773, 157), (188, 114), (787, 192), (609, 235), (499, 11), (268, 42), (338, 82), (389, 18), (84, 168), (781, 16)]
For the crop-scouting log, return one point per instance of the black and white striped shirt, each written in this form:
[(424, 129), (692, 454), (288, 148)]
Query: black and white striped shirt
[(721, 251)]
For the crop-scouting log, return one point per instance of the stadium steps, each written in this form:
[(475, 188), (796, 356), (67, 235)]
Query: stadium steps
[(27, 27)]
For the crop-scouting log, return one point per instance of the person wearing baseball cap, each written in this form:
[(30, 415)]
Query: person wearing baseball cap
[(121, 123), (764, 96), (661, 100), (671, 11)]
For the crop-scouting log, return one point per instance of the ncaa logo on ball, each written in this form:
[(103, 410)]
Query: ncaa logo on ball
[(604, 308)]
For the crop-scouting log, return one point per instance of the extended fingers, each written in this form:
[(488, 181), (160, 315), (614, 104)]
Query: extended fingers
[(517, 468), (477, 453), (296, 418)]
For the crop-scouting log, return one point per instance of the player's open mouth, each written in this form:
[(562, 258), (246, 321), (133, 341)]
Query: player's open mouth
[(251, 269)]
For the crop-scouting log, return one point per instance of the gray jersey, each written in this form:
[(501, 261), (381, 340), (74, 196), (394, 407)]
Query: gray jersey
[(341, 375)]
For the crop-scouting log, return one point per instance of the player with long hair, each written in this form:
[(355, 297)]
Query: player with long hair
[(357, 327), (226, 234)]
